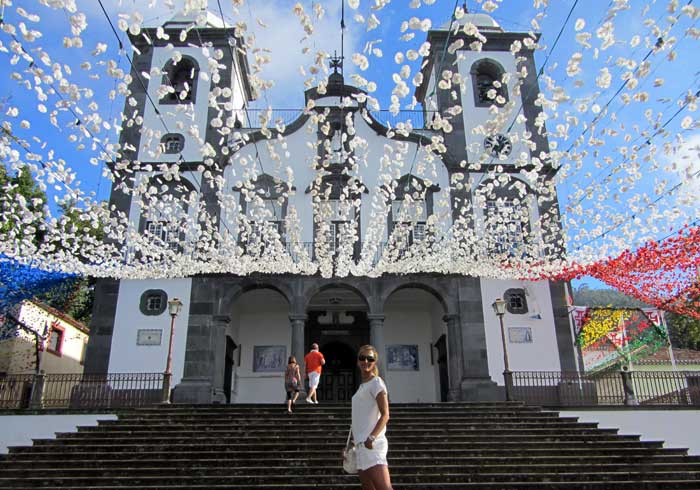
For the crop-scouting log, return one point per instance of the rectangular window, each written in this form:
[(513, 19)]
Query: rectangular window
[(159, 229), (411, 213), (334, 236), (505, 228), (260, 217), (55, 341), (154, 302)]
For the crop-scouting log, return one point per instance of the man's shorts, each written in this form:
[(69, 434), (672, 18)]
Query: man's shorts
[(314, 377)]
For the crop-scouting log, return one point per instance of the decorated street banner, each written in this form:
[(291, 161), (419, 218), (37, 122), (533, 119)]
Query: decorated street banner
[(612, 336)]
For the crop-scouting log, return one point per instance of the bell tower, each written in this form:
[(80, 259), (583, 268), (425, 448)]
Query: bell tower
[(195, 75)]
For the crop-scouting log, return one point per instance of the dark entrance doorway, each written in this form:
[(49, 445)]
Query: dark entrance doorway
[(339, 335), (441, 348), (228, 367)]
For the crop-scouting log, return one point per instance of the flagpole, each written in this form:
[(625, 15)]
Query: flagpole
[(662, 315)]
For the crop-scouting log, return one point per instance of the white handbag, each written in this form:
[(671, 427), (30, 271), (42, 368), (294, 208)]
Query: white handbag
[(349, 457)]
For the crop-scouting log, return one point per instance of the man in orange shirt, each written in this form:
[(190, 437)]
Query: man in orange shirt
[(313, 362)]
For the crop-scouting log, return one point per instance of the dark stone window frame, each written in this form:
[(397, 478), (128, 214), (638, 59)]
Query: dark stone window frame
[(148, 294), (404, 185), (516, 301), (488, 67), (173, 143), (498, 242), (269, 189), (184, 71), (178, 190)]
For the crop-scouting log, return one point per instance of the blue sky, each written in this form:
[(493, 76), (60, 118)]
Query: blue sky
[(283, 35)]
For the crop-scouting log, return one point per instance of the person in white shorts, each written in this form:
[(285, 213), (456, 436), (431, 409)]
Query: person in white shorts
[(370, 414), (313, 362)]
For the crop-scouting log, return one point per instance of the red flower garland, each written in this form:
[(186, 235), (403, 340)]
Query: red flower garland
[(661, 274)]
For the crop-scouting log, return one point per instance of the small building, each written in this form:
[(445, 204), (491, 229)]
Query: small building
[(61, 341)]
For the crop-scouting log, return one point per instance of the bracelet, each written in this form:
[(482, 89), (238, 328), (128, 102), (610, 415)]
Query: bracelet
[(371, 438)]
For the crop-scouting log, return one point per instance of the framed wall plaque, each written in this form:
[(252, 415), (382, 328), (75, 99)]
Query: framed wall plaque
[(402, 357), (520, 335), (269, 358), (149, 336)]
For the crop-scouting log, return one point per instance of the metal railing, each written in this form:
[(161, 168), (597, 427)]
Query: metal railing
[(555, 388), (113, 390), (16, 390), (253, 118)]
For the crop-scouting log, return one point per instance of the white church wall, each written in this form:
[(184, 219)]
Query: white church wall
[(128, 357), (369, 173), (418, 163), (295, 144), (541, 353), (408, 323), (263, 321)]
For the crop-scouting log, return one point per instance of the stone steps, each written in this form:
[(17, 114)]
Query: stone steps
[(353, 485), (435, 446), (299, 479), (265, 460)]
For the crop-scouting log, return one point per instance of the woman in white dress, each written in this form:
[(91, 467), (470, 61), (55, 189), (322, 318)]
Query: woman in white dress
[(370, 414)]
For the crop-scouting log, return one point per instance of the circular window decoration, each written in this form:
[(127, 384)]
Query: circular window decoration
[(498, 145)]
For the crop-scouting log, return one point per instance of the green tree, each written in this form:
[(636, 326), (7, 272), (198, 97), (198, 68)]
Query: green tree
[(684, 331)]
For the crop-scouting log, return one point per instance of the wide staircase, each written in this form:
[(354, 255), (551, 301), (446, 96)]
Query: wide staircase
[(431, 446)]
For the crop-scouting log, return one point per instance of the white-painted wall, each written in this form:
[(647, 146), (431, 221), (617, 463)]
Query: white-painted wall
[(540, 355), (126, 356), (409, 158), (261, 318), (19, 430), (678, 428), (410, 320)]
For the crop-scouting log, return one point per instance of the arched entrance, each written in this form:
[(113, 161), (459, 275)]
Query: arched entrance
[(337, 322)]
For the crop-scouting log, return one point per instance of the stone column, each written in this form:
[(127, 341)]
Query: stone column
[(454, 356), (217, 338), (298, 322), (376, 338)]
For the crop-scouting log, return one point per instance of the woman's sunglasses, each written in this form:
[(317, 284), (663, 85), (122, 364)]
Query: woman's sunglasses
[(362, 357)]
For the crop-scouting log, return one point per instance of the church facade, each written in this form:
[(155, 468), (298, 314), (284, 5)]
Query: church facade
[(437, 334)]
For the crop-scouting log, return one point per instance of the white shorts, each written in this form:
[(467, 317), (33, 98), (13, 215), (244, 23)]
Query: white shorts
[(366, 458), (314, 377)]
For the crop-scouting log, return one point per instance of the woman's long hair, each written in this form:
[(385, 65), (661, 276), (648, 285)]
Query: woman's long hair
[(369, 348), (292, 360)]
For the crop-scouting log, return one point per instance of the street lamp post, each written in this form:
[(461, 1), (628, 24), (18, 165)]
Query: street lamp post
[(174, 307), (499, 307)]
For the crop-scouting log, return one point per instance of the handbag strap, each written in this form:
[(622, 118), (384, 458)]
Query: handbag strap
[(347, 443)]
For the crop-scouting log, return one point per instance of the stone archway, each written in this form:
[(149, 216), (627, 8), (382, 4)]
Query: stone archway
[(337, 322)]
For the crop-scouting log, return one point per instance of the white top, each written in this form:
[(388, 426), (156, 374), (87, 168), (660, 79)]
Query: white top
[(365, 411)]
